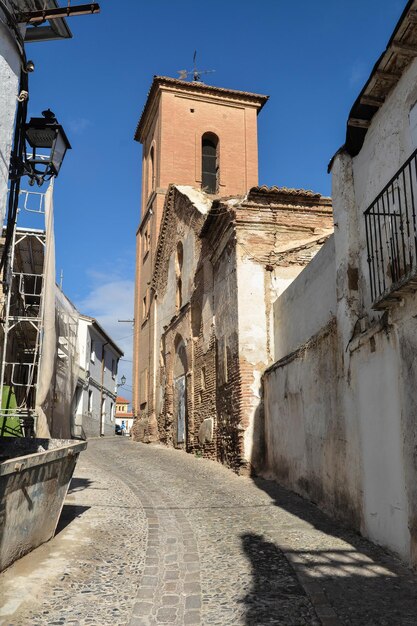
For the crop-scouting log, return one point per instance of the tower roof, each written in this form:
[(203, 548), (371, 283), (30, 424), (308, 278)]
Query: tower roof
[(195, 88)]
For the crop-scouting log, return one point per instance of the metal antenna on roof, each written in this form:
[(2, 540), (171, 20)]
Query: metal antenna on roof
[(195, 73)]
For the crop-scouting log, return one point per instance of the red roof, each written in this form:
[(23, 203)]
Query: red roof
[(121, 400)]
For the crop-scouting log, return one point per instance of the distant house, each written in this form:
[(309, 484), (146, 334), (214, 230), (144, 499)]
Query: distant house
[(97, 388), (124, 417)]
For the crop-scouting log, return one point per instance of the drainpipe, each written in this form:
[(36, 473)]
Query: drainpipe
[(103, 356)]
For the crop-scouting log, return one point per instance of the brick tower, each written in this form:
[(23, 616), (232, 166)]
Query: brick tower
[(192, 134)]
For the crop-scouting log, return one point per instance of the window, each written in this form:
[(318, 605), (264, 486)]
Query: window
[(151, 170), (143, 387), (90, 402), (146, 238), (202, 383), (103, 356), (111, 412), (93, 352), (210, 163), (178, 272), (145, 306), (113, 368), (226, 364)]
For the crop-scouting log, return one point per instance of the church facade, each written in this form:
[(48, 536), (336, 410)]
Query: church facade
[(215, 251)]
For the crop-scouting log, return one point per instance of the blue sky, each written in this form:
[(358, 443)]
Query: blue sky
[(312, 58)]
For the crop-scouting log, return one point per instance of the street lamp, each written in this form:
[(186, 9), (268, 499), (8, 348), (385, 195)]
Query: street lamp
[(122, 381), (45, 133)]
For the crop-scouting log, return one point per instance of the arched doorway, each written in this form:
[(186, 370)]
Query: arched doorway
[(180, 390)]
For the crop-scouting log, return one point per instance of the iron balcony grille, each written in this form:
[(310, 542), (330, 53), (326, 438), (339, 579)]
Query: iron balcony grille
[(391, 237)]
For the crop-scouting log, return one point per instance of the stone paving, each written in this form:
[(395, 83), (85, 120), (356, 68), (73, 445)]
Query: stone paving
[(156, 536)]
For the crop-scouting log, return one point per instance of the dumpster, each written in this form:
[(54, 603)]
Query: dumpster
[(34, 480)]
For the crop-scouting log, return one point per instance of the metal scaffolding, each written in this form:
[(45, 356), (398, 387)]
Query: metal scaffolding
[(21, 323)]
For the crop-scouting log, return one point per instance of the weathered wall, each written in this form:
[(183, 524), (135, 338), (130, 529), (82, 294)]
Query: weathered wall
[(375, 368), (228, 375), (9, 85), (388, 143), (305, 433), (188, 322), (313, 292), (340, 412)]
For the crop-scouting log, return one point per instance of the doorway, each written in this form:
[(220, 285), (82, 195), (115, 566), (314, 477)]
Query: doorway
[(179, 385)]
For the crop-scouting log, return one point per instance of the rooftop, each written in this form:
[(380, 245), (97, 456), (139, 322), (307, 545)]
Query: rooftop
[(401, 49), (101, 330), (47, 30), (194, 87)]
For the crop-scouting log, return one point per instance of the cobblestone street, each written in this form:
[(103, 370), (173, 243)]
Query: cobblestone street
[(150, 535)]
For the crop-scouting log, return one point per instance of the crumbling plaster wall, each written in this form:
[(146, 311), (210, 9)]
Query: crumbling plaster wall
[(340, 412), (381, 359), (9, 85), (293, 330), (193, 322), (228, 376), (305, 436), (254, 311)]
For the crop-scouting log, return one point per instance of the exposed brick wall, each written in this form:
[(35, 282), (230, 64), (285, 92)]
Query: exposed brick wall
[(268, 235)]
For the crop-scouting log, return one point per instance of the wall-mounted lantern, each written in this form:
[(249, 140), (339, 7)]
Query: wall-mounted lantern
[(44, 133), (122, 381)]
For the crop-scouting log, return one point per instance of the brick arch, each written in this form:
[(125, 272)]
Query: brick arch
[(180, 364)]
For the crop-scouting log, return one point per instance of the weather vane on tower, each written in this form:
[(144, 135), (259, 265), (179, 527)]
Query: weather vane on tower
[(195, 73)]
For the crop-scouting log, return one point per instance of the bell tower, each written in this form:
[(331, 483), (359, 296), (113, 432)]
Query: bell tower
[(192, 134)]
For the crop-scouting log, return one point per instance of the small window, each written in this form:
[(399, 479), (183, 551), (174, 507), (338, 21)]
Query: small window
[(90, 402), (93, 352), (226, 364), (113, 368), (151, 170), (178, 272), (111, 412), (145, 306), (210, 163), (143, 387), (103, 356), (146, 238)]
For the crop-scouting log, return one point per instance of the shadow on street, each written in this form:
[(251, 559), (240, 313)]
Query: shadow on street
[(364, 584)]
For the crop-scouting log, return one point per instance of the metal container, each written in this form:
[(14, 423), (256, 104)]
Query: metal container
[(34, 480)]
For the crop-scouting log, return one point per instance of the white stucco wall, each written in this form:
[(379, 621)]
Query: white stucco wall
[(340, 416), (307, 304), (388, 143), (385, 506), (253, 328), (9, 85)]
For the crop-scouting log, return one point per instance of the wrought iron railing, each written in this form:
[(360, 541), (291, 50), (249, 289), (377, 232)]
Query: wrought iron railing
[(391, 236)]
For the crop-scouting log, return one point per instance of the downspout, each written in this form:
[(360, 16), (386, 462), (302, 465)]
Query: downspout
[(103, 356)]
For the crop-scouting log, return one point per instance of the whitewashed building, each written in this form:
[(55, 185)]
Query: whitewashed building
[(14, 33), (97, 386), (341, 398)]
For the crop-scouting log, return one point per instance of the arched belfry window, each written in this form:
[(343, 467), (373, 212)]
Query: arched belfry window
[(210, 163)]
